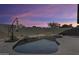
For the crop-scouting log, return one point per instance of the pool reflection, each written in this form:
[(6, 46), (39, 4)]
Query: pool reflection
[(42, 46)]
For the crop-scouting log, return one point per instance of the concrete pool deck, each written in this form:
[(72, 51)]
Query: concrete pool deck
[(68, 46)]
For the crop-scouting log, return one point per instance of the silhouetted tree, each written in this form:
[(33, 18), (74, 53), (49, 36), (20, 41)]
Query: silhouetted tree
[(54, 24), (77, 26), (70, 25), (34, 26), (67, 26)]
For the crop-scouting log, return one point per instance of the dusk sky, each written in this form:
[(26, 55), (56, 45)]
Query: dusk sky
[(39, 15)]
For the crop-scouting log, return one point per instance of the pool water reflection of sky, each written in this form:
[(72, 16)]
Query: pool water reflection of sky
[(43, 46)]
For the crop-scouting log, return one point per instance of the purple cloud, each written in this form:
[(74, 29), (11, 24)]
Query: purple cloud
[(30, 15)]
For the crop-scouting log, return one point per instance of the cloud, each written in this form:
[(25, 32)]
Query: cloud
[(40, 15), (54, 11), (29, 23)]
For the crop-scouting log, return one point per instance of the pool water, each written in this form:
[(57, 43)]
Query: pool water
[(42, 46)]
